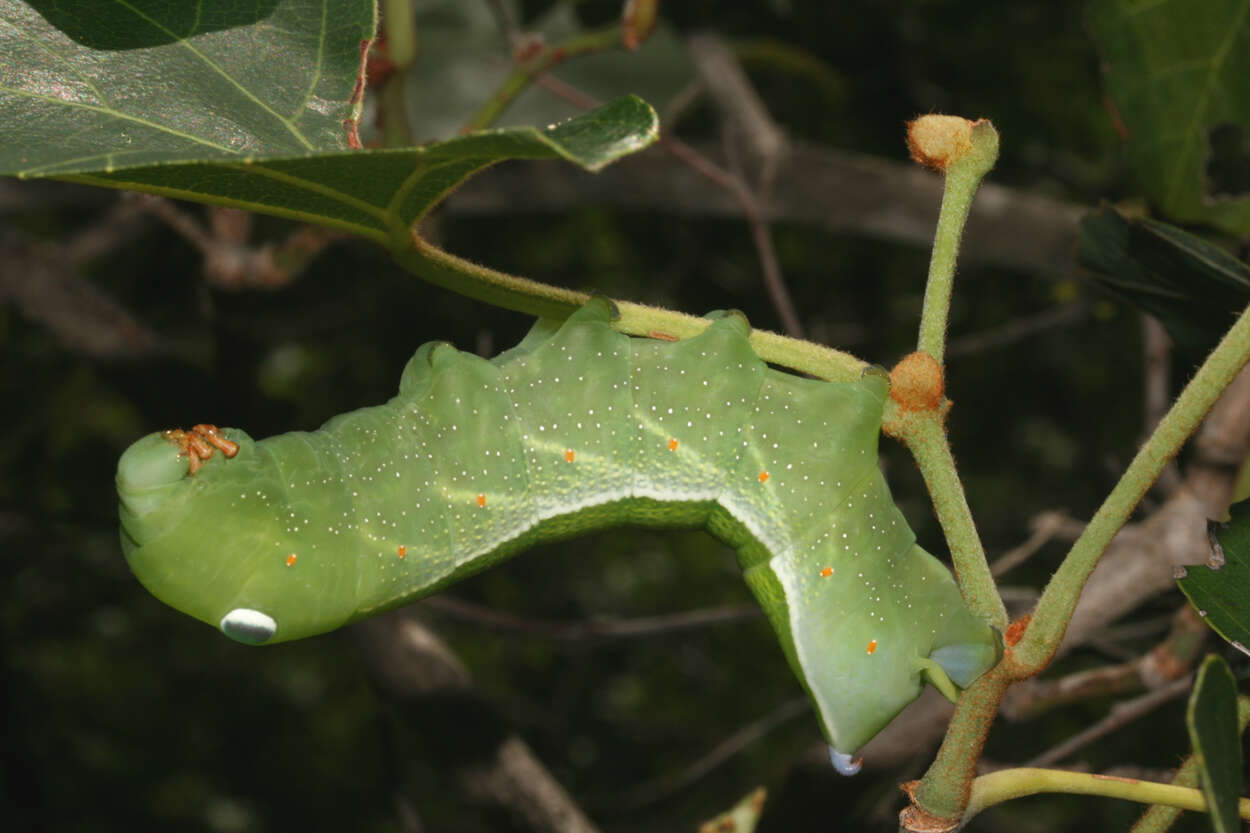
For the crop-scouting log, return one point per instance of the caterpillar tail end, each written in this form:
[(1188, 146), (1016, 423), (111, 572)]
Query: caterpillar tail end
[(845, 763)]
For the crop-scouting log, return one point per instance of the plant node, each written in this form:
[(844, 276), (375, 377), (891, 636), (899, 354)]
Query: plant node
[(1015, 631), (916, 820), (917, 383)]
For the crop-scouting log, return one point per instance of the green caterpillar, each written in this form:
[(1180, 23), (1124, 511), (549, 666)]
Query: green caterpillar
[(577, 428)]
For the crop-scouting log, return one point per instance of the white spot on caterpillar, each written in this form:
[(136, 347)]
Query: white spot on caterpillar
[(844, 762), (251, 627)]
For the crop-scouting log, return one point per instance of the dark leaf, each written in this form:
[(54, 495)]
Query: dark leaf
[(1194, 287), (1179, 72), (1220, 590), (1212, 721)]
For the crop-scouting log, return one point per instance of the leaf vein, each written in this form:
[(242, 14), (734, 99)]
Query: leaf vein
[(309, 185), (1182, 164), (185, 43)]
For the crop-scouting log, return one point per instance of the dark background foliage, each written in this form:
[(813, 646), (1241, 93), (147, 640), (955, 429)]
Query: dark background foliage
[(118, 714)]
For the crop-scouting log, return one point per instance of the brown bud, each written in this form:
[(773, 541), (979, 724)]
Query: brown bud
[(916, 383), (937, 141)]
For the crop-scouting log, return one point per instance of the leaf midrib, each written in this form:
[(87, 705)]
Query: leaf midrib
[(104, 108), (185, 43), (1176, 178)]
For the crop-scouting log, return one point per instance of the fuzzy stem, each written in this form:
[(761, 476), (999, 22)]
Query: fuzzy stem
[(945, 789), (963, 176), (925, 437), (964, 162), (1054, 609), (545, 301), (1007, 784)]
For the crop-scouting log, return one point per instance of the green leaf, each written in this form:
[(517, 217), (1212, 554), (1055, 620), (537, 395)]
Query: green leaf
[(243, 109), (1195, 288), (247, 108), (1178, 73), (97, 86), (379, 194), (1221, 590), (1212, 722)]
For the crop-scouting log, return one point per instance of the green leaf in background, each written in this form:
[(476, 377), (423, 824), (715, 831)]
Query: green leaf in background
[(1212, 722), (1195, 288), (743, 818), (1221, 590), (102, 85), (1178, 73), (461, 50)]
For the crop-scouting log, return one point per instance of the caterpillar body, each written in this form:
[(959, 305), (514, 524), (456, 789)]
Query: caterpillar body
[(577, 428)]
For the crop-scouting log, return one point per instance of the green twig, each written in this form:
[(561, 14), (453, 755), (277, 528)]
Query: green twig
[(1054, 609), (396, 132), (925, 437), (965, 151), (963, 176), (545, 301), (524, 74), (945, 789), (1007, 784), (401, 49), (401, 32)]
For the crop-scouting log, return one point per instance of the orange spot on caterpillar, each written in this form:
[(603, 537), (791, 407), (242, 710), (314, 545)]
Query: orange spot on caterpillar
[(402, 551), (661, 335), (826, 572), (763, 477), (290, 560), (569, 455), (481, 500), (872, 646), (672, 445)]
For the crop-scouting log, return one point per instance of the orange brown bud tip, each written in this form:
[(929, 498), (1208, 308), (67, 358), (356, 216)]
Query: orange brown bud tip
[(637, 20), (1015, 631), (939, 141), (916, 383)]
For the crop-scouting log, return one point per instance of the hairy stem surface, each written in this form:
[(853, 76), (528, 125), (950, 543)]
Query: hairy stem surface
[(1054, 609)]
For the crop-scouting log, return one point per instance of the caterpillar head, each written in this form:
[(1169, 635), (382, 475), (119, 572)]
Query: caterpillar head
[(225, 543)]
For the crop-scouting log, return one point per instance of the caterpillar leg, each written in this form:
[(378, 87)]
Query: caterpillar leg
[(937, 677)]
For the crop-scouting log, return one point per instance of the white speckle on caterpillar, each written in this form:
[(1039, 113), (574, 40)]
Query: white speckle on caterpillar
[(248, 626), (844, 762)]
